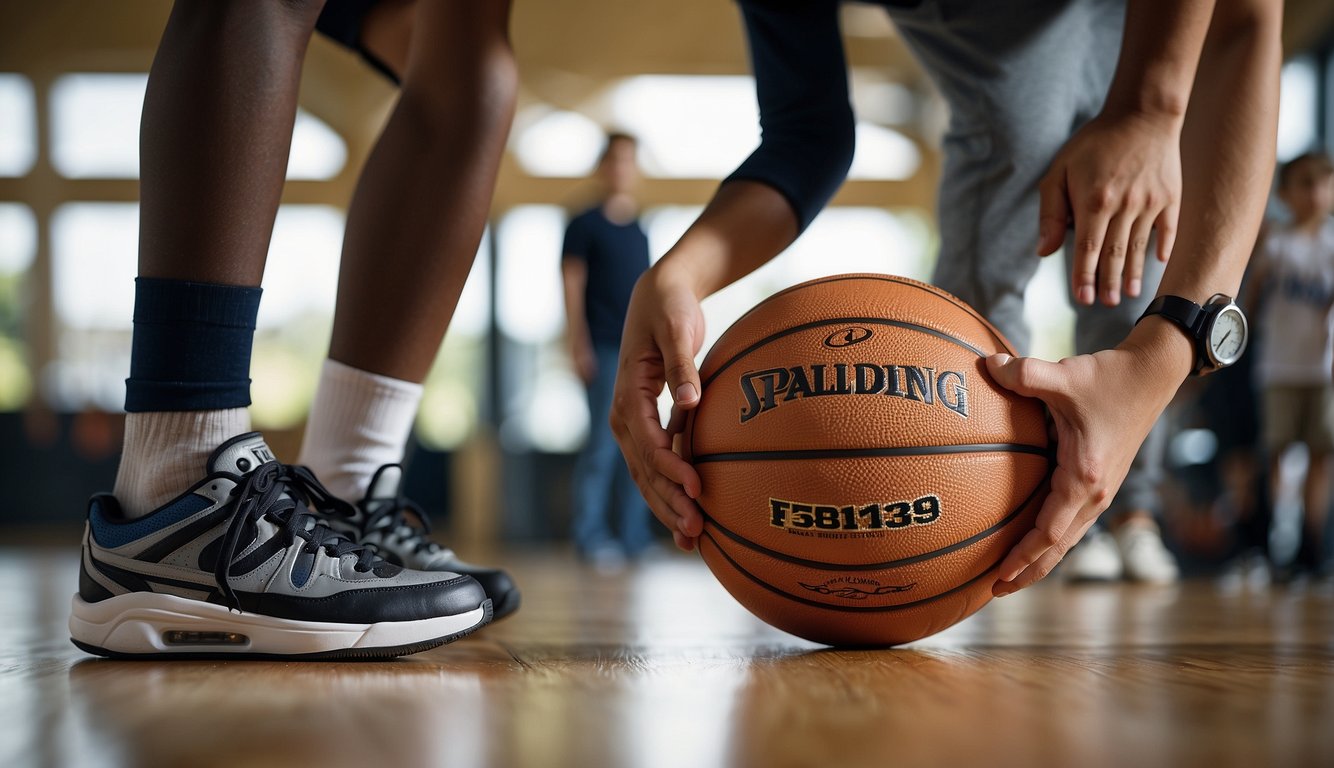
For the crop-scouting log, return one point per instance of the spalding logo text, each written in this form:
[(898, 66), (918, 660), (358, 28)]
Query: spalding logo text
[(766, 390)]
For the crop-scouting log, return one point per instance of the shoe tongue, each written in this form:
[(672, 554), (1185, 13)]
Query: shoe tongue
[(240, 454), (384, 485)]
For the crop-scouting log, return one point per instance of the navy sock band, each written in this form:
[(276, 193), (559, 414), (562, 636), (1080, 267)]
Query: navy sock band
[(191, 346)]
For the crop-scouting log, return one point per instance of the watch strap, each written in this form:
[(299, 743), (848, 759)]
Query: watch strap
[(1189, 316)]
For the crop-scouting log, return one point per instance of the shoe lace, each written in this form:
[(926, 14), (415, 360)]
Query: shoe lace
[(392, 515), (277, 492), (311, 490)]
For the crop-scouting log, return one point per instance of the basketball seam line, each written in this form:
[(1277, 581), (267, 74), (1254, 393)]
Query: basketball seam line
[(849, 608), (858, 453), (985, 533), (907, 282)]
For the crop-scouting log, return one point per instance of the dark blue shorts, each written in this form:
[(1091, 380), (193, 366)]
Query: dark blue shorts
[(341, 20)]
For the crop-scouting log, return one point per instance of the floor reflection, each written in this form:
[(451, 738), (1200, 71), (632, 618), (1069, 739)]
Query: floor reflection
[(657, 666), (262, 713)]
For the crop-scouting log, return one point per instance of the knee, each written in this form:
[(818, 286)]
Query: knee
[(482, 89), (461, 63), (291, 15)]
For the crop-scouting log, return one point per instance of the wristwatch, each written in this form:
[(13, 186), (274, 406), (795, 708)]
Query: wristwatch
[(1218, 329)]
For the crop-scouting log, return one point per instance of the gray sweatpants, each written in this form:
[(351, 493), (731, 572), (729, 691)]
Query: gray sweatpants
[(1020, 76)]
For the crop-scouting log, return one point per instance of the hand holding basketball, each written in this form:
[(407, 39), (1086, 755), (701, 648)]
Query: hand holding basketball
[(664, 329), (1103, 406)]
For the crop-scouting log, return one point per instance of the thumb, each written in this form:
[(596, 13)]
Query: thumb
[(678, 345), (1027, 376), (1053, 212)]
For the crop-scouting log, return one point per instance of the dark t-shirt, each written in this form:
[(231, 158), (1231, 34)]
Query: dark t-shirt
[(616, 255)]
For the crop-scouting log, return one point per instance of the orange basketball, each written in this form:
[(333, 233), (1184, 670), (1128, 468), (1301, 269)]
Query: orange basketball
[(863, 476)]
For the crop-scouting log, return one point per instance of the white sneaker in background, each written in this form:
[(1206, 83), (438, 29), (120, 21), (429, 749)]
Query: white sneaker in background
[(1144, 555), (1096, 558)]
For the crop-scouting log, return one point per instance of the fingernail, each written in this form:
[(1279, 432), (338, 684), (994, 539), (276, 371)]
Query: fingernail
[(1002, 358), (681, 526), (1134, 288), (1085, 295), (685, 393), (1112, 296)]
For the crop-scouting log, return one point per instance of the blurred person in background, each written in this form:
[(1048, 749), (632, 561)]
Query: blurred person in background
[(1293, 288), (604, 253), (1228, 405)]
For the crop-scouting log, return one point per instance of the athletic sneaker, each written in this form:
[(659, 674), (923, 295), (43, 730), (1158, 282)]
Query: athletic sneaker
[(1096, 558), (238, 565), (1144, 555), (399, 531)]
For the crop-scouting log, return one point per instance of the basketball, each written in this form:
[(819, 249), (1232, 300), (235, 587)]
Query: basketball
[(863, 477)]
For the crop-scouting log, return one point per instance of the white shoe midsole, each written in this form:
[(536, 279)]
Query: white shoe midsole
[(137, 622)]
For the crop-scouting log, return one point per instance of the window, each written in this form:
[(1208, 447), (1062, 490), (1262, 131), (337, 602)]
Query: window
[(545, 406), (95, 125), (296, 313), (94, 250), (318, 152), (18, 125), (689, 126), (702, 127), (1297, 108), (95, 130), (451, 397), (18, 246), (557, 143)]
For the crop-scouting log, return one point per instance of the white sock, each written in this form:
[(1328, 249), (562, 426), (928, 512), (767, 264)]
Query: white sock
[(359, 422), (166, 451)]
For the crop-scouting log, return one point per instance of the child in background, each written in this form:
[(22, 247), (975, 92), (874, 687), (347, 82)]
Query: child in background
[(1294, 280)]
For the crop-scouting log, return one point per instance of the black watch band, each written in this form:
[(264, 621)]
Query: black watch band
[(1187, 314)]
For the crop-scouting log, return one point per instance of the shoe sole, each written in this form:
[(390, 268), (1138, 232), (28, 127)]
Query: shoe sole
[(135, 625)]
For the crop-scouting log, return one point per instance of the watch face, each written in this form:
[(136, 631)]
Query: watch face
[(1227, 337)]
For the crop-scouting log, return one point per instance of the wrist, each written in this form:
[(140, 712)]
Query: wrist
[(1164, 114), (1164, 349), (685, 269)]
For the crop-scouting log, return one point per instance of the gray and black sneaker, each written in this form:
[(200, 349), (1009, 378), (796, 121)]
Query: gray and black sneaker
[(399, 531), (239, 566)]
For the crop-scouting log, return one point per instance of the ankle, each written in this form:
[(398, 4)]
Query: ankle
[(165, 453), (359, 422)]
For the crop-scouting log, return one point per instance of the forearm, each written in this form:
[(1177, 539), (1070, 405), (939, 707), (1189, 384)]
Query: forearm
[(1160, 50), (1228, 144), (1227, 153), (574, 276), (744, 226)]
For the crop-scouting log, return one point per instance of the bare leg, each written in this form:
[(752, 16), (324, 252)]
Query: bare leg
[(413, 227), (420, 207), (217, 127)]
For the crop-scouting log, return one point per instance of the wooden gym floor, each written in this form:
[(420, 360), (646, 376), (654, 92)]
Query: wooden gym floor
[(658, 667)]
